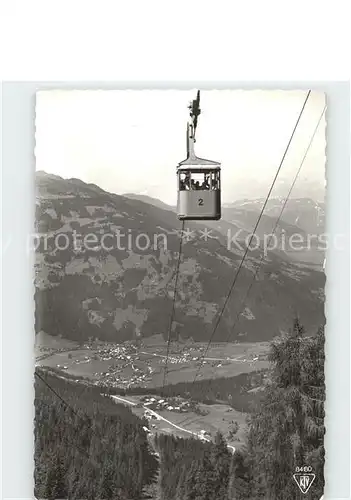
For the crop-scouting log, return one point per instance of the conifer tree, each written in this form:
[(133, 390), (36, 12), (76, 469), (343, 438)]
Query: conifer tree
[(221, 459), (287, 431), (55, 486), (180, 490), (241, 483)]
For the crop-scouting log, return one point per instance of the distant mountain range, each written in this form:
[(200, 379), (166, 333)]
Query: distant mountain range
[(300, 217), (126, 290), (299, 213), (304, 213), (305, 187)]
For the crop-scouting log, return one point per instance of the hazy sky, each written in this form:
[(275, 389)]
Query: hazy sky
[(132, 141)]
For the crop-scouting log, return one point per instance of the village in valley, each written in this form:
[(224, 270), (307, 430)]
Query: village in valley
[(129, 366), (172, 404)]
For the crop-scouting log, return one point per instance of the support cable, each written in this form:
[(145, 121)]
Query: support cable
[(252, 235)]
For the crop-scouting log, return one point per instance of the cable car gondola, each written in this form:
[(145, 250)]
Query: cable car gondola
[(199, 189)]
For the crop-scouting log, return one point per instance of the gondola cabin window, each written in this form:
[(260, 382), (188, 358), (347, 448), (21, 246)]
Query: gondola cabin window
[(199, 180)]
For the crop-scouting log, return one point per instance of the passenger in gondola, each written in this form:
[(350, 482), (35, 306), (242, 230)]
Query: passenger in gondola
[(184, 183), (205, 184)]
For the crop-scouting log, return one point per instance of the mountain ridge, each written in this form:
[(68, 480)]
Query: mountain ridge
[(124, 293), (305, 219)]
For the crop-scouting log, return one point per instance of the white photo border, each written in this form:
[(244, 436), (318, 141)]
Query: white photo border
[(18, 204)]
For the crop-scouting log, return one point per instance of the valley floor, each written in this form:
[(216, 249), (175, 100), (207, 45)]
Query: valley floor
[(126, 366)]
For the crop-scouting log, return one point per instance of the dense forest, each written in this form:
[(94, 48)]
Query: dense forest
[(93, 448), (234, 391), (191, 469), (107, 455), (242, 392)]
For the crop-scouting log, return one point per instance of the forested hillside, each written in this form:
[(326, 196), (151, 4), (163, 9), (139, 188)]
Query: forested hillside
[(242, 391), (92, 449), (191, 469)]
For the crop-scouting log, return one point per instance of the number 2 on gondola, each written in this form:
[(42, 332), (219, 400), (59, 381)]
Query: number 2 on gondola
[(201, 202)]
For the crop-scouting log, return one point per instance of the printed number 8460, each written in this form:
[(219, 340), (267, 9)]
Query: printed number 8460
[(304, 469)]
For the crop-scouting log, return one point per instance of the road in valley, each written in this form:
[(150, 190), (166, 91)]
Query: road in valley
[(199, 357), (159, 417), (41, 357)]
